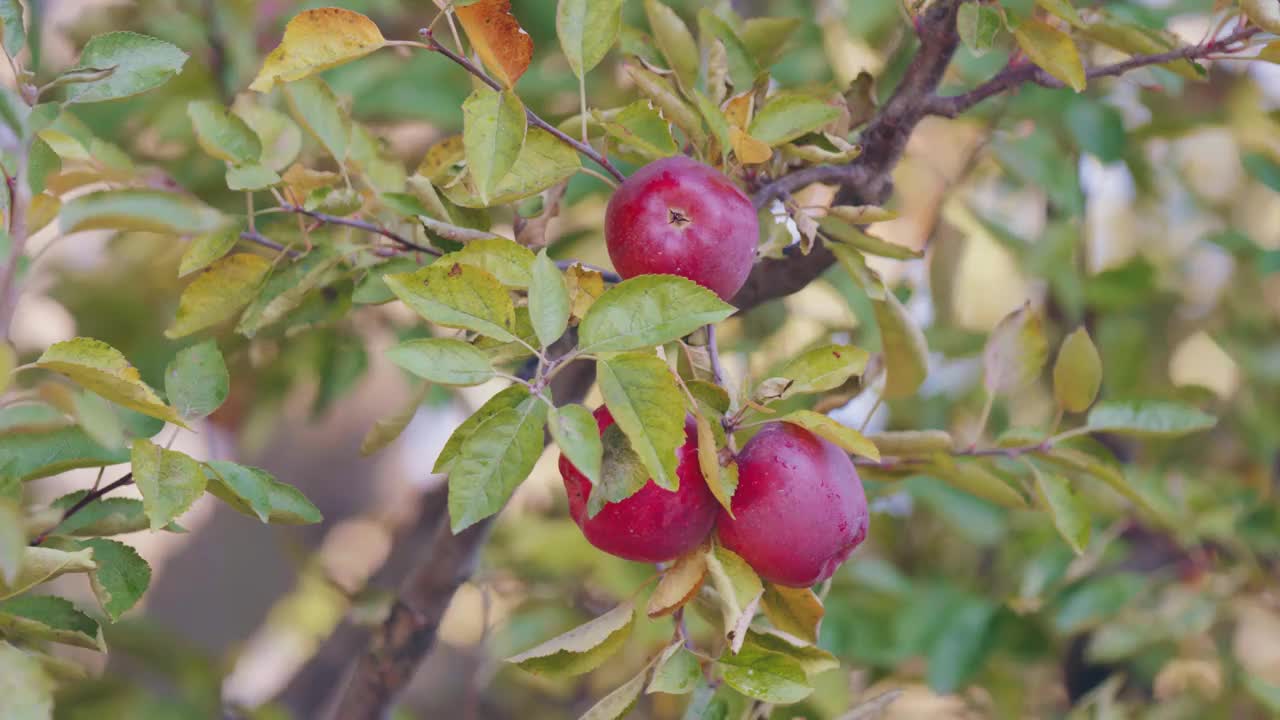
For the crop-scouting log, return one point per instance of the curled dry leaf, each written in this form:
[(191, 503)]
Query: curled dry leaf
[(502, 44)]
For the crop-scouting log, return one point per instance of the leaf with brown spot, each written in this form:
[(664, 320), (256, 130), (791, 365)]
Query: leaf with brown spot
[(315, 40), (502, 44)]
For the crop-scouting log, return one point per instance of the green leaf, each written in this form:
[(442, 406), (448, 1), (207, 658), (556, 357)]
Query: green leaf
[(101, 368), (640, 128), (796, 611), (549, 303), (385, 431), (218, 293), (256, 493), (978, 26), (670, 103), (443, 360), (26, 691), (1077, 374), (493, 460), (543, 162), (618, 703), (121, 578), (208, 248), (168, 480), (98, 418), (739, 588), (957, 652), (767, 676), (1053, 50), (1082, 463), (287, 288), (1069, 513), (715, 119), (49, 618), (642, 395), (912, 443), (316, 108), (104, 516), (813, 660), (786, 116), (846, 438), (675, 41), (8, 361), (1063, 9), (677, 672), (821, 369), (1098, 128), (582, 649), (223, 135), (15, 30), (622, 472), (510, 397), (765, 37), (144, 210), (141, 63), (743, 70), (280, 136), (459, 296), (42, 564), (493, 131), (13, 540), (197, 381), (575, 431), (587, 29), (906, 354), (971, 477), (1149, 419), (838, 228), (38, 450), (511, 263), (251, 177), (1015, 352), (648, 310), (1263, 169)]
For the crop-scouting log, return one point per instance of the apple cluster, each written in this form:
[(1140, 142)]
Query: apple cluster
[(799, 509)]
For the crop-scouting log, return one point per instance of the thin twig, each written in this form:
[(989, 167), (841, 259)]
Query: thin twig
[(1012, 453), (258, 238), (81, 504), (1015, 75), (590, 152), (713, 352), (362, 225)]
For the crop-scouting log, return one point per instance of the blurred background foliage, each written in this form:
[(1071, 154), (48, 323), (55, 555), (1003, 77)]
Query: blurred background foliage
[(1147, 210)]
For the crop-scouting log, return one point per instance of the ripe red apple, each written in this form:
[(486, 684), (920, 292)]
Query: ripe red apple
[(799, 509), (655, 524), (679, 217)]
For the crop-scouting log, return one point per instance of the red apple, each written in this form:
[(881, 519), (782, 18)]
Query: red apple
[(799, 509), (677, 216), (655, 524)]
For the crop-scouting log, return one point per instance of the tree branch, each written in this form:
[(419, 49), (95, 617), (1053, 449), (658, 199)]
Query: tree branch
[(81, 504), (362, 225), (582, 147), (1015, 75)]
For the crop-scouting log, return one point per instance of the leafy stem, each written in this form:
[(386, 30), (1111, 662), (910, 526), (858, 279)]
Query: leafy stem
[(586, 150), (82, 503)]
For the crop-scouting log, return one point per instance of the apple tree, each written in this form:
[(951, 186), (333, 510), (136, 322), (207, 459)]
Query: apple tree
[(856, 404)]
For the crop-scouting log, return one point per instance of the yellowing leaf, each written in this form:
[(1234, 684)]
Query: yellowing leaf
[(906, 354), (585, 286), (1063, 503), (386, 430), (587, 29), (721, 480), (1264, 13), (739, 588), (912, 443), (847, 438), (582, 649), (1053, 50), (796, 611), (1077, 374), (749, 150), (315, 40), (218, 293), (459, 296), (493, 131), (679, 584), (1015, 352), (101, 368), (675, 41), (544, 161), (497, 37), (40, 564), (168, 480), (146, 210)]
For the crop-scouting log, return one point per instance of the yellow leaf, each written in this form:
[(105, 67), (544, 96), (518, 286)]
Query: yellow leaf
[(315, 40), (496, 35), (1053, 50), (738, 110), (218, 292), (97, 366), (749, 150), (585, 285), (679, 584)]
